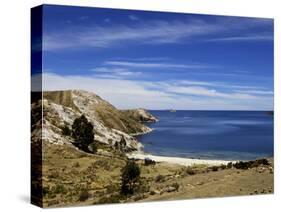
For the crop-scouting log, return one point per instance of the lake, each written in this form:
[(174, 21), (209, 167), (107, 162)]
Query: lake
[(226, 135)]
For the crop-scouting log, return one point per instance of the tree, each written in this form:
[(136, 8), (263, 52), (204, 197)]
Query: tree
[(123, 143), (130, 177), (82, 132), (66, 131)]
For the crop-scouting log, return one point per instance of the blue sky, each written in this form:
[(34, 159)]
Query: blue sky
[(160, 60)]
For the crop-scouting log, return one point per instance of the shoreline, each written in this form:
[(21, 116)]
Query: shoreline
[(173, 160), (141, 133), (177, 160)]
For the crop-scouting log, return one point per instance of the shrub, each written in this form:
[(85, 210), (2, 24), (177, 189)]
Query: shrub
[(76, 164), (229, 165), (46, 190), (176, 186), (223, 166), (54, 174), (112, 188), (123, 142), (143, 187), (121, 145), (60, 189), (215, 168), (66, 131), (110, 199), (84, 195), (190, 171), (159, 178), (152, 192), (82, 132), (250, 164), (148, 161), (102, 164), (263, 162), (92, 147), (130, 177), (241, 165)]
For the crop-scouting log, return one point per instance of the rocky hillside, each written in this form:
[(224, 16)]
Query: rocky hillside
[(140, 115), (61, 108)]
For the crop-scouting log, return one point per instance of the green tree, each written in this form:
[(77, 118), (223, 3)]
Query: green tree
[(65, 130), (82, 132), (130, 177)]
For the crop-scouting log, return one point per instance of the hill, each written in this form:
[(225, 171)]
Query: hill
[(60, 108)]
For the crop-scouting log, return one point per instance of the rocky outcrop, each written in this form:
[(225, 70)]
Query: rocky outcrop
[(140, 115), (111, 126)]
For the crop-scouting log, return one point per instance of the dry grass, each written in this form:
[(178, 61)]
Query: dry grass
[(72, 177)]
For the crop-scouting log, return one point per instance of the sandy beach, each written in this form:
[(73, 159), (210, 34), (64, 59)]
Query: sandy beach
[(177, 160)]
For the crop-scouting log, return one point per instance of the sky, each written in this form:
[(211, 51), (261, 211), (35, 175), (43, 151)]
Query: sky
[(157, 60)]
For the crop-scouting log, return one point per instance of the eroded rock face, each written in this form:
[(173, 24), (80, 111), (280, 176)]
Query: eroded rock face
[(111, 126)]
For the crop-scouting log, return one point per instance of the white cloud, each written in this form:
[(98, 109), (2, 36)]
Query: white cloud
[(156, 95), (242, 38), (204, 83), (107, 72), (249, 89), (246, 87), (202, 91), (155, 65), (258, 92)]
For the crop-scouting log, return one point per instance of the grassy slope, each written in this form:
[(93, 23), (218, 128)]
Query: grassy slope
[(68, 172), (113, 118), (228, 182)]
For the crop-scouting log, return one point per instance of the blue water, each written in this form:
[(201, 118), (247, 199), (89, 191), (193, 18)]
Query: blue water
[(227, 135)]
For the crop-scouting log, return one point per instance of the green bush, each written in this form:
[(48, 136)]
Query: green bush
[(251, 163), (130, 177), (229, 165), (148, 161), (242, 165), (82, 132), (223, 166)]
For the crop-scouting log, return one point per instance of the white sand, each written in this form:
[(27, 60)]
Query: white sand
[(177, 160)]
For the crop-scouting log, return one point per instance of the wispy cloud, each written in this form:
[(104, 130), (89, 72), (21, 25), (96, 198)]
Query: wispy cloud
[(106, 72), (242, 38), (157, 95), (148, 32), (155, 65), (206, 92), (258, 92), (133, 18)]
